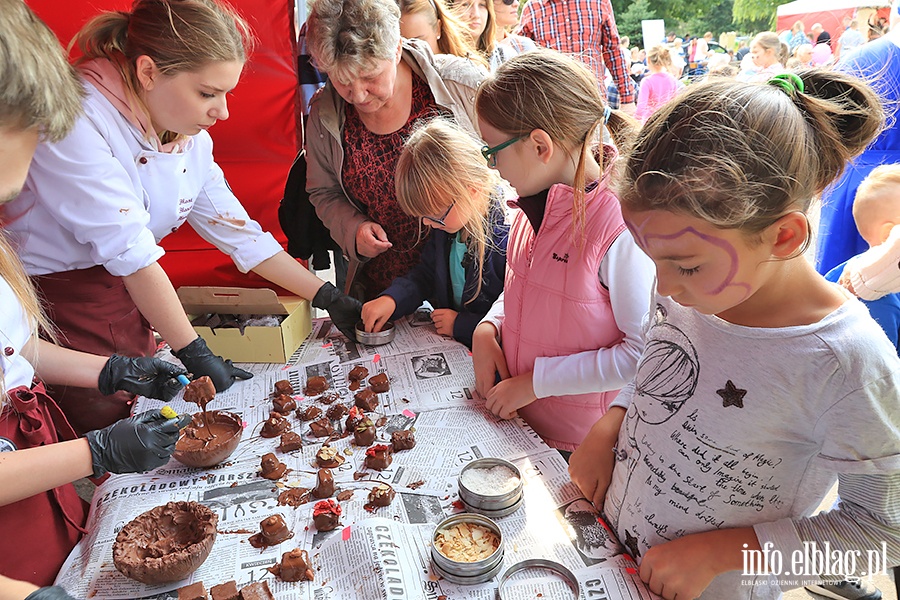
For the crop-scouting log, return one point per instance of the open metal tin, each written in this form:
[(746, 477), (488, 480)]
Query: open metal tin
[(539, 563), (375, 338), (491, 505), (464, 573)]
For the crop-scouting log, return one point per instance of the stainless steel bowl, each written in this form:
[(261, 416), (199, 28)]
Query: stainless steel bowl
[(377, 338), (467, 572), (496, 505)]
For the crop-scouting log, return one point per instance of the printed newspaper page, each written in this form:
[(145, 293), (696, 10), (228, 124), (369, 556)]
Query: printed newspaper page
[(374, 552)]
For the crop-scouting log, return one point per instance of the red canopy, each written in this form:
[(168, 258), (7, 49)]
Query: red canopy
[(255, 146)]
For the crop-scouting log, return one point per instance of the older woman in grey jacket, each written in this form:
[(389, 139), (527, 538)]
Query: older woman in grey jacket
[(379, 87)]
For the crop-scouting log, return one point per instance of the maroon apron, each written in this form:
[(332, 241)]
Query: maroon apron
[(40, 531), (93, 312)]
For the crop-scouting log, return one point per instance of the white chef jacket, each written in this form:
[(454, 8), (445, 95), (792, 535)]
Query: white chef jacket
[(104, 196), (15, 331)]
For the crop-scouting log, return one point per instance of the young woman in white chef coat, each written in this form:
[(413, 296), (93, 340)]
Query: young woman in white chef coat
[(137, 166)]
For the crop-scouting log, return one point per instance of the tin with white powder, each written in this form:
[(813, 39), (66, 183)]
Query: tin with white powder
[(491, 487)]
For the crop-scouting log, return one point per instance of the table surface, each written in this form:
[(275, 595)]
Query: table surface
[(383, 553)]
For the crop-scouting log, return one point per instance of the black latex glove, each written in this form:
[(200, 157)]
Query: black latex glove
[(49, 593), (144, 376), (345, 311), (200, 361), (136, 444)]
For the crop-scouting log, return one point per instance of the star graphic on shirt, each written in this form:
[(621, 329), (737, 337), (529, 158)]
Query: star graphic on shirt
[(631, 543), (732, 395)]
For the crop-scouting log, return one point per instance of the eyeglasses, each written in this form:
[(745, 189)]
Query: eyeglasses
[(440, 220), (490, 154), (510, 2)]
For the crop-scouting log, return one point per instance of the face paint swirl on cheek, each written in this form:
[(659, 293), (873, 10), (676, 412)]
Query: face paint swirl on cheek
[(649, 241)]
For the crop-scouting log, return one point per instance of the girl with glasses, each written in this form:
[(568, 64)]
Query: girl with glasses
[(577, 286), (442, 180)]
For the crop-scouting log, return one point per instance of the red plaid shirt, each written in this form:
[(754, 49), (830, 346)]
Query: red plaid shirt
[(585, 28)]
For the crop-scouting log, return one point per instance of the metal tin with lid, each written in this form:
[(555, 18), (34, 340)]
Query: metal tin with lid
[(491, 505), (375, 338), (539, 563), (478, 571)]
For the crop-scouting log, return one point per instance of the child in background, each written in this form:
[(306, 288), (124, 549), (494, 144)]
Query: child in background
[(876, 211), (41, 516), (576, 285), (431, 21), (479, 16), (767, 57), (659, 86), (760, 382), (442, 172)]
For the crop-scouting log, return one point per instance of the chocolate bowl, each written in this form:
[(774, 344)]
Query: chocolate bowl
[(195, 447), (166, 543)]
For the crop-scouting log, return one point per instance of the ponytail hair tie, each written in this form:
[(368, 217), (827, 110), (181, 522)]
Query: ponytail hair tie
[(790, 83), (606, 113)]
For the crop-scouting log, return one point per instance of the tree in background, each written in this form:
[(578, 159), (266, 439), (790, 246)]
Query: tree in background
[(629, 20), (755, 15)]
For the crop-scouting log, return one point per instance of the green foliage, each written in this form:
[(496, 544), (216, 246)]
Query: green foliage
[(717, 20), (755, 15), (629, 21)]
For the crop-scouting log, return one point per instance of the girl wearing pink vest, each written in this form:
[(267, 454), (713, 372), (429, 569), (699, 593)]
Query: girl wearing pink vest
[(566, 334)]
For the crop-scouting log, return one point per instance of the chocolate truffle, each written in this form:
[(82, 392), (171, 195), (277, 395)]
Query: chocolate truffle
[(166, 543), (336, 412), (293, 497), (225, 591), (284, 404), (403, 439), (315, 386), (329, 398), (309, 413), (290, 441), (379, 457), (324, 484), (284, 387), (257, 591), (271, 468), (322, 427), (326, 515), (381, 495), (200, 391), (274, 426), (195, 591), (364, 433), (328, 458), (379, 383), (353, 418), (356, 375), (294, 566), (366, 400), (272, 531)]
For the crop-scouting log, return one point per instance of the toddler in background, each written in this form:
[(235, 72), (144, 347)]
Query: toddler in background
[(876, 211), (442, 180), (577, 285), (760, 383), (659, 86)]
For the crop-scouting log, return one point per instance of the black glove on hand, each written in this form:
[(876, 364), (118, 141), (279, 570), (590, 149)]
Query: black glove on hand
[(200, 360), (345, 311), (144, 376), (136, 444), (49, 593)]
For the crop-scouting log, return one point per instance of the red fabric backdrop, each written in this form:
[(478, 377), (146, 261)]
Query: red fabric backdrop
[(255, 146)]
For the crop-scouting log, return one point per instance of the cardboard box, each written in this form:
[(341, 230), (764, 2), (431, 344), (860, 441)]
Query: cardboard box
[(255, 344)]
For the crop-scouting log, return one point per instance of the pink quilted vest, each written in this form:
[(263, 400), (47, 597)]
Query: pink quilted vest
[(555, 305)]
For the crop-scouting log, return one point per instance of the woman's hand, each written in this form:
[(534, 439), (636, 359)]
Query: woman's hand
[(375, 313), (591, 465), (371, 239), (487, 358), (683, 568), (511, 394), (443, 319)]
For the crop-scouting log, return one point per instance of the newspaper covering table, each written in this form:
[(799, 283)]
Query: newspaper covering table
[(383, 554)]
